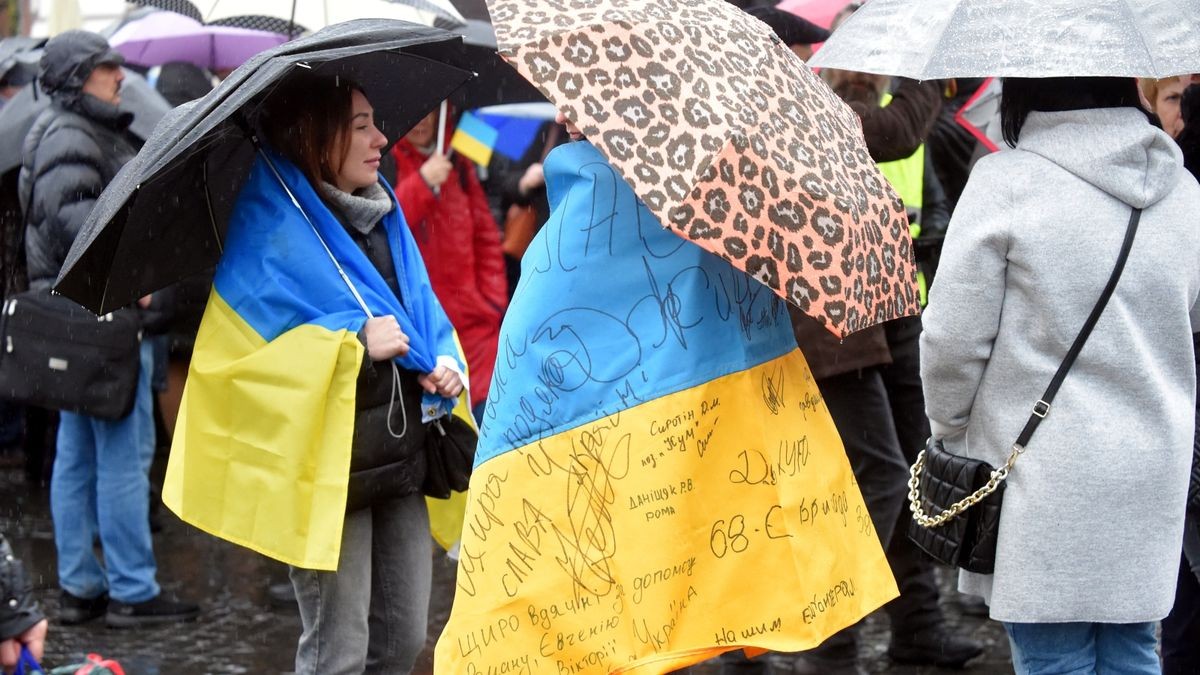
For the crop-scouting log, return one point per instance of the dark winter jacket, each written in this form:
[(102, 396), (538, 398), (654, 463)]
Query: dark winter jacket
[(18, 610), (383, 467), (897, 130), (73, 151)]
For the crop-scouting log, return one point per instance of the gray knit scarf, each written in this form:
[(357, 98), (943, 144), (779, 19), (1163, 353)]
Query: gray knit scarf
[(361, 210)]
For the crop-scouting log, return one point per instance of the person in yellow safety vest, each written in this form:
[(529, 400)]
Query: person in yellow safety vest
[(917, 184)]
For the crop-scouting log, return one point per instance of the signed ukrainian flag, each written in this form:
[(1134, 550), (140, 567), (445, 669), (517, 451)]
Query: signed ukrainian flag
[(261, 453), (658, 479)]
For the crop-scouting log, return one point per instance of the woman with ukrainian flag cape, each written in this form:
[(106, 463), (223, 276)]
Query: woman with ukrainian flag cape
[(658, 480), (302, 426)]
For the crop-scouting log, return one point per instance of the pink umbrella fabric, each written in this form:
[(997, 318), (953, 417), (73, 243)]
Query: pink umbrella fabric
[(820, 12), (163, 37)]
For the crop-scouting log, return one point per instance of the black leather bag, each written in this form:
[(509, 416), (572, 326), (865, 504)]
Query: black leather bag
[(449, 456), (56, 354), (944, 479), (956, 501)]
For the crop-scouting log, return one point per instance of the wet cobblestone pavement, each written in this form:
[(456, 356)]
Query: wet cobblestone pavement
[(241, 632)]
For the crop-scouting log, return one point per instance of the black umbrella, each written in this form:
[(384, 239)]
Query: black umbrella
[(497, 82), (164, 216), (19, 114)]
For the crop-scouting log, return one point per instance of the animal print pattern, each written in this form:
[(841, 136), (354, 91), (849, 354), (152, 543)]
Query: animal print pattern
[(730, 140)]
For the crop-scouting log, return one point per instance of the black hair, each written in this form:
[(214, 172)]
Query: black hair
[(1023, 95), (789, 28)]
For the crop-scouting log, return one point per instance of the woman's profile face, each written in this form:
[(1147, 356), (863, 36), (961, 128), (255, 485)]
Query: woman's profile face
[(1166, 105), (364, 143)]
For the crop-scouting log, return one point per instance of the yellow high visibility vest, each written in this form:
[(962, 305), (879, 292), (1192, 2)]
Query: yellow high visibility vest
[(907, 177)]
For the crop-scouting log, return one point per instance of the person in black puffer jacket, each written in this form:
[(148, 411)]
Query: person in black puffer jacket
[(21, 621), (100, 482)]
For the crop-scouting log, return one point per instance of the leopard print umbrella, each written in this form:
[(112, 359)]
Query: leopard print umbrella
[(730, 140)]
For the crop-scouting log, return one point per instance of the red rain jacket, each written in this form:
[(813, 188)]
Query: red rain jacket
[(460, 243)]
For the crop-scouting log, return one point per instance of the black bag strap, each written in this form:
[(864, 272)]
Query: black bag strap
[(1042, 407)]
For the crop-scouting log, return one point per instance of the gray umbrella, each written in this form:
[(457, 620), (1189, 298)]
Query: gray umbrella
[(19, 114), (164, 216), (19, 59), (932, 39)]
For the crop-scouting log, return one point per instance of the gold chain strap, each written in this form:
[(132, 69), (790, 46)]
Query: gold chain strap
[(914, 496)]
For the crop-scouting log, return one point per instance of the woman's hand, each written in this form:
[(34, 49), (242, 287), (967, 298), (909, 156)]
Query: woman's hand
[(435, 170), (442, 381), (384, 338), (34, 639), (533, 178)]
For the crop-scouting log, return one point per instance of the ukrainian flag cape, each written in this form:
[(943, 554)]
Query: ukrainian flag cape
[(261, 452), (658, 479)]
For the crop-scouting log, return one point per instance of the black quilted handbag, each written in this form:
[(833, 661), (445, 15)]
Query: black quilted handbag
[(956, 501), (449, 456), (949, 484)]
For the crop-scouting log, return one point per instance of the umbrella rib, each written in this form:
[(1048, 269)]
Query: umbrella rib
[(1133, 19), (208, 202), (941, 38)]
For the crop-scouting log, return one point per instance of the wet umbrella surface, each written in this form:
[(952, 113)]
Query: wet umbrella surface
[(163, 217)]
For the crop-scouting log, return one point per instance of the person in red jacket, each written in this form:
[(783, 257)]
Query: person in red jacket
[(449, 215)]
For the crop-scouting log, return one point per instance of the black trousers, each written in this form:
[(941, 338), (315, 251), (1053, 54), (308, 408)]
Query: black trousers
[(880, 414), (1181, 628), (917, 607)]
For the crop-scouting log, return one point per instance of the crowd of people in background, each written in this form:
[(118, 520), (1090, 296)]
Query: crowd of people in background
[(472, 224)]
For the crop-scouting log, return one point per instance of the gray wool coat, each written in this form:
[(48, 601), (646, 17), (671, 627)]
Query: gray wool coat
[(1092, 520)]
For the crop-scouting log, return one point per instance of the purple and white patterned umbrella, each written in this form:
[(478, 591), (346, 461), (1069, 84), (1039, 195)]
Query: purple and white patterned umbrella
[(163, 37)]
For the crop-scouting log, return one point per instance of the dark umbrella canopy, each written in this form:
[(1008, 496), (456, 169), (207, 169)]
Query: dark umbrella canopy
[(164, 216), (496, 82), (19, 114)]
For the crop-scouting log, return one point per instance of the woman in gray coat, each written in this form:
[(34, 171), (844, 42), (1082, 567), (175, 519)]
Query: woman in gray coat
[(1090, 530)]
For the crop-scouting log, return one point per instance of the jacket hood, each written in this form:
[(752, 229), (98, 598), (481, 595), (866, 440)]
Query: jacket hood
[(1115, 149), (68, 61)]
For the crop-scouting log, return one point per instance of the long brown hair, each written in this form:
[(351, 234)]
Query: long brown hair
[(306, 119)]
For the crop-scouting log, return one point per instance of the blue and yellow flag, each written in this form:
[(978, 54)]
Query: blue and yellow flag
[(261, 453), (658, 479), (474, 139)]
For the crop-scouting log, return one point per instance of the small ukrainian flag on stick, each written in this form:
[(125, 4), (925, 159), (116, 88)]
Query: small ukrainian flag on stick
[(474, 139)]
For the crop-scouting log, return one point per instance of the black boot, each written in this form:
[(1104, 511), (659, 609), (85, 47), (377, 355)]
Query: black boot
[(935, 646), (156, 610)]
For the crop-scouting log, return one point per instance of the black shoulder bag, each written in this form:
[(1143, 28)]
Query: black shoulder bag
[(56, 354), (942, 486)]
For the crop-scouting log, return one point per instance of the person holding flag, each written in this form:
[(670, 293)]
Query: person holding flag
[(448, 212)]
